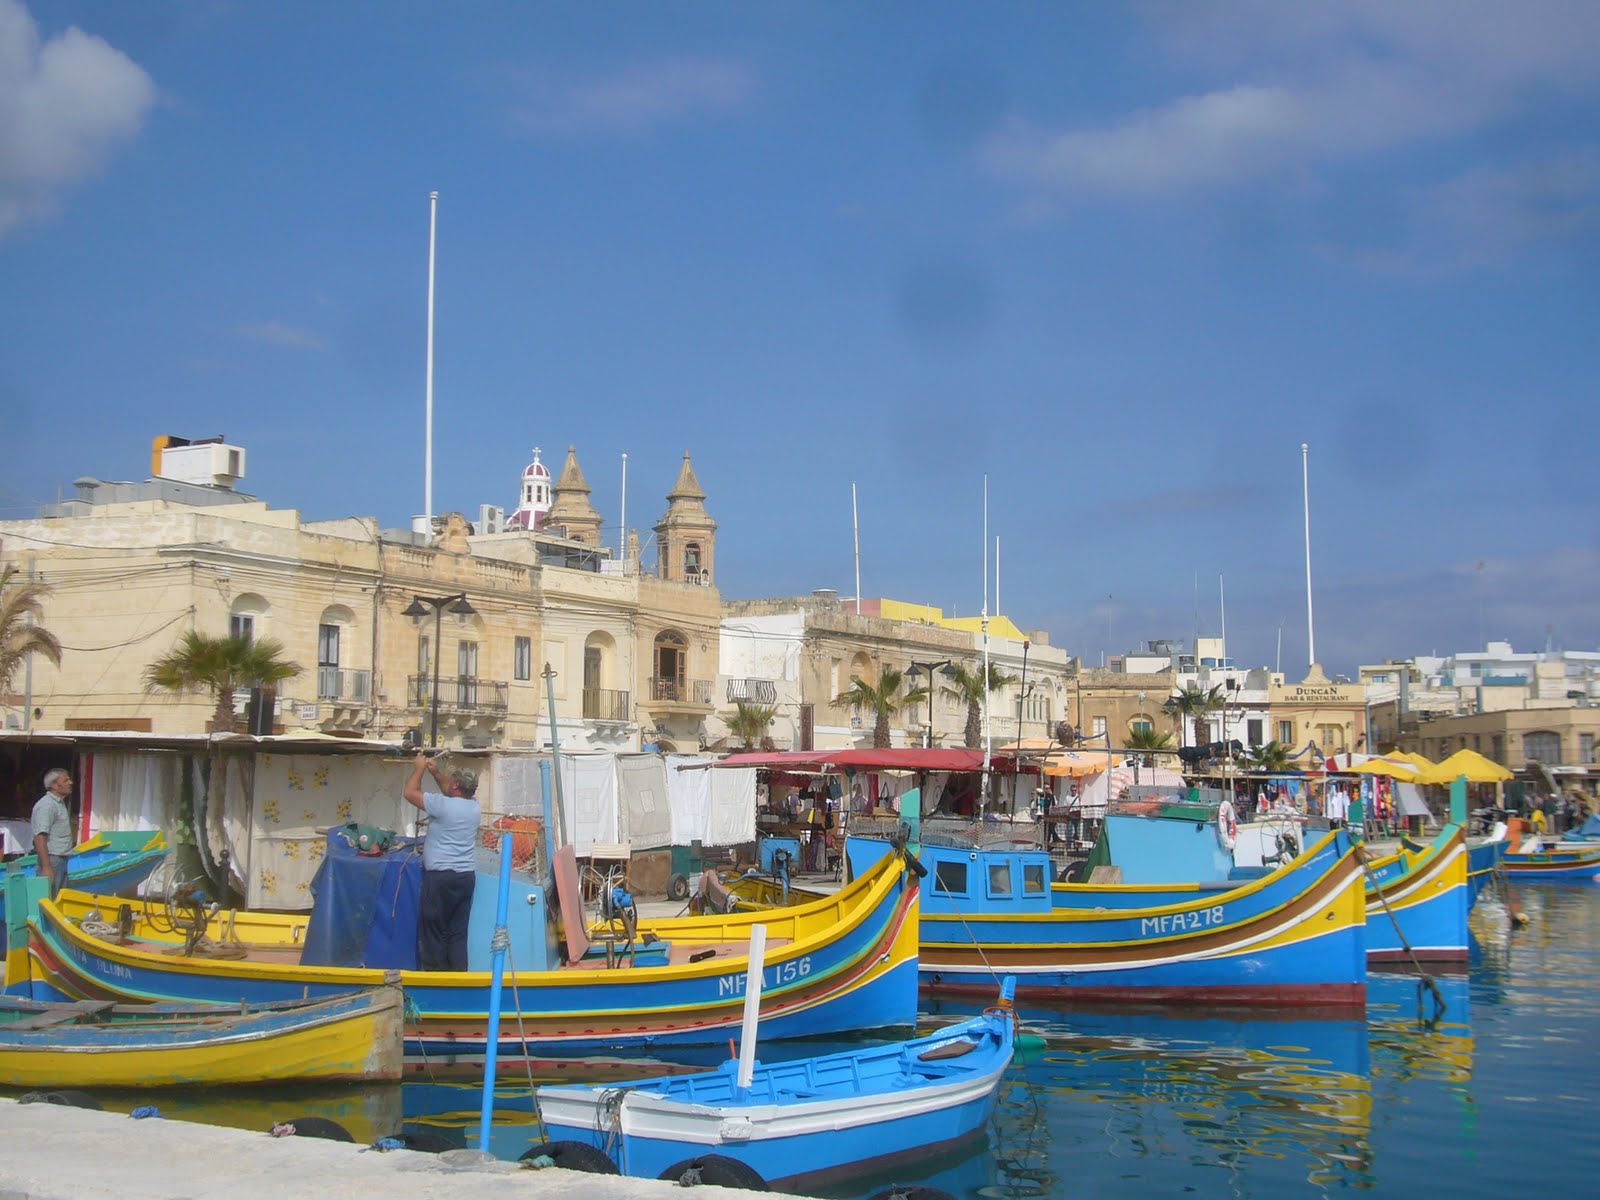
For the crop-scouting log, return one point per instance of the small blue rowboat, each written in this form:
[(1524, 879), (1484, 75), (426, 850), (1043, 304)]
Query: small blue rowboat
[(799, 1122), (108, 864), (1576, 863)]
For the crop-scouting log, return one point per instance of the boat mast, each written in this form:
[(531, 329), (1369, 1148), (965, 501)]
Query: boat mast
[(427, 460), (984, 688)]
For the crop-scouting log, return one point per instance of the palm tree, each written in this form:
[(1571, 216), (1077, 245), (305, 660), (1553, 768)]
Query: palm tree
[(1195, 704), (883, 698), (968, 686), (750, 721), (19, 636), (1272, 758), (1144, 737), (224, 667)]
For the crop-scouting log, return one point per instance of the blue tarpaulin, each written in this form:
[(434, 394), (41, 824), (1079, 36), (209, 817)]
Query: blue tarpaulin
[(364, 908)]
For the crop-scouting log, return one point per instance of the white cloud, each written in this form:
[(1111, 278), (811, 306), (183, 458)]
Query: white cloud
[(637, 99), (65, 104), (276, 333), (1307, 85)]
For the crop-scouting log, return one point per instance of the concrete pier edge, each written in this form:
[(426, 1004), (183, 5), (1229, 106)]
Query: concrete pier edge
[(52, 1152)]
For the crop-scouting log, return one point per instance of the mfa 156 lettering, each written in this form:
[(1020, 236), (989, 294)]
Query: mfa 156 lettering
[(774, 976)]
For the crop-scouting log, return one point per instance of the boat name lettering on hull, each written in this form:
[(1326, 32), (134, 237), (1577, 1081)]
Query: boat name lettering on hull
[(1200, 918), (99, 966), (774, 976)]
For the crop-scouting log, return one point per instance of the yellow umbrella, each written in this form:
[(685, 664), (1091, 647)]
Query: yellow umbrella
[(1388, 765), (1072, 765), (1411, 756), (1470, 763)]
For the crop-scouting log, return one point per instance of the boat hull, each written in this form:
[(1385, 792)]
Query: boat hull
[(1572, 864), (353, 1039), (1296, 936), (807, 1124), (108, 864), (850, 965), (1417, 903), (1483, 860)]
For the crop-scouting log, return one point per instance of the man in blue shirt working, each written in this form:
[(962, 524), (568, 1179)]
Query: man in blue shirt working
[(52, 826), (449, 862)]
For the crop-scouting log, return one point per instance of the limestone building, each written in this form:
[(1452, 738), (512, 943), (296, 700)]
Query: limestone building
[(134, 565)]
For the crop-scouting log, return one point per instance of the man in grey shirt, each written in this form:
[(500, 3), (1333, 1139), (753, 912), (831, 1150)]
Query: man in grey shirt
[(52, 827), (449, 863)]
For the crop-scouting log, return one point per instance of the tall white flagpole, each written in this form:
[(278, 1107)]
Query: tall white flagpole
[(987, 740), (427, 468), (1222, 600), (855, 532), (622, 542), (1305, 481)]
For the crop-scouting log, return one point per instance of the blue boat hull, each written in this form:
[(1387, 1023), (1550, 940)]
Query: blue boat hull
[(1294, 936), (802, 1122)]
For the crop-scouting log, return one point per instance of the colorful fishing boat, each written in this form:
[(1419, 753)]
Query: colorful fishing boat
[(1293, 936), (1484, 856), (844, 963), (109, 864), (1417, 894), (355, 1038), (799, 1123), (1573, 863), (1417, 901)]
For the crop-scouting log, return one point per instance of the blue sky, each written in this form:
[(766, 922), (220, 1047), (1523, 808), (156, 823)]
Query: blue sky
[(1124, 259)]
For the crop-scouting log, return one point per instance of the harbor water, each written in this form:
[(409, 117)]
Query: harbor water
[(1494, 1096)]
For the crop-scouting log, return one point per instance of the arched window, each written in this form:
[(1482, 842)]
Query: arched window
[(671, 665), (247, 615), (600, 701), (330, 634), (1542, 745)]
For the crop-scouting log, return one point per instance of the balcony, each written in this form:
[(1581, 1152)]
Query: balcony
[(668, 695), (752, 691), (349, 687), (605, 704), (458, 693)]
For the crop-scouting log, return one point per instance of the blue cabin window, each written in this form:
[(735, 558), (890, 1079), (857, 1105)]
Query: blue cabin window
[(950, 878), (1000, 879), (1033, 879)]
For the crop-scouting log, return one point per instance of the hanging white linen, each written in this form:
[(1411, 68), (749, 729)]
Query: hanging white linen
[(642, 785), (135, 790), (297, 798), (589, 801), (516, 787), (688, 798), (733, 807)]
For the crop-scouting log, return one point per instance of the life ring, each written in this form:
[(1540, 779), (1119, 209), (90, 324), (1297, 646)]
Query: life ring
[(1227, 825)]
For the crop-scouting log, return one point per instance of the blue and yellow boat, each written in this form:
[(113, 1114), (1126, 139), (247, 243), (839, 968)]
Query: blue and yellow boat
[(1293, 936), (1417, 901), (839, 964), (109, 864), (354, 1038)]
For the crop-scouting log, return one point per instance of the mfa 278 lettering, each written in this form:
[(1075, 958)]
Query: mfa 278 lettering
[(1199, 918), (774, 976)]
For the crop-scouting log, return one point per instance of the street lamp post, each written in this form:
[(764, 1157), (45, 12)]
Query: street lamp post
[(927, 668), (416, 610), (1022, 691)]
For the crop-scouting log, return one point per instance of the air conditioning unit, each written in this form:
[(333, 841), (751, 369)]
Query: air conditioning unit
[(491, 518)]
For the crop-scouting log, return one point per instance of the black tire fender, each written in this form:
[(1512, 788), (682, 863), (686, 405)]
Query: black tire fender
[(715, 1170), (572, 1156)]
